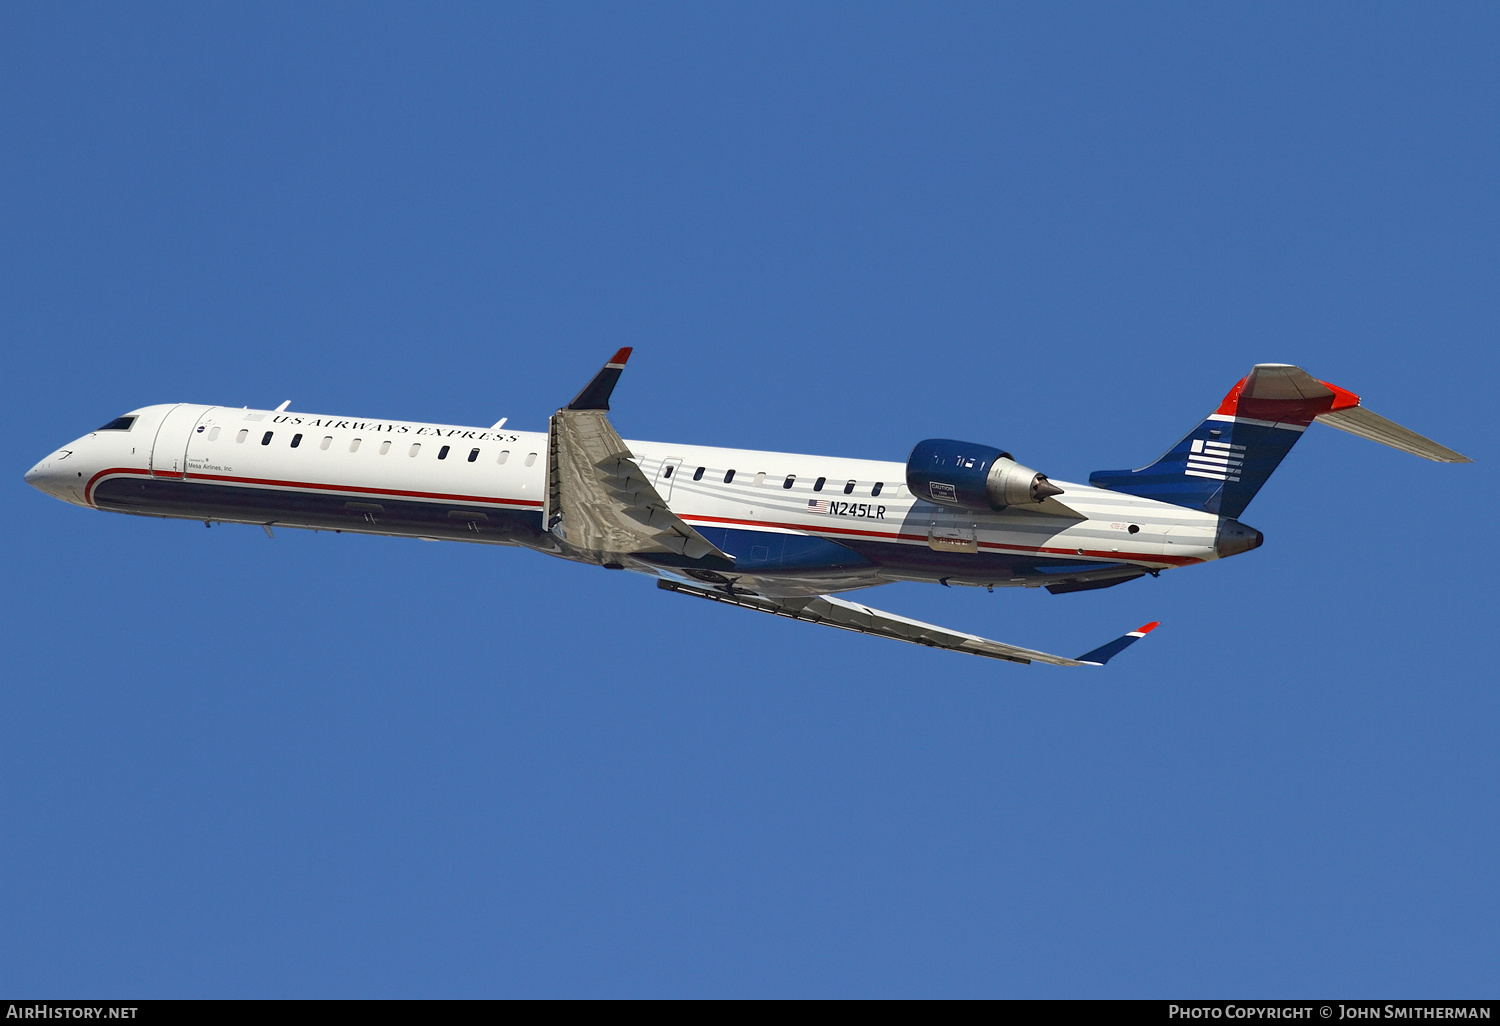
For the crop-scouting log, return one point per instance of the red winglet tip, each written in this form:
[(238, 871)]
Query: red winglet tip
[(1343, 399), (1150, 627), (621, 356), (1231, 404)]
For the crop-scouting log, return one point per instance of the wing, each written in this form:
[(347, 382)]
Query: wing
[(1359, 421), (598, 498), (851, 616)]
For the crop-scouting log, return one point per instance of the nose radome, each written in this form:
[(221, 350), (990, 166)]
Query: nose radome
[(53, 477), (1234, 537)]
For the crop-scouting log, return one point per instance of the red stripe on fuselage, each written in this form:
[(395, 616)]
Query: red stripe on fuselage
[(313, 485), (533, 504)]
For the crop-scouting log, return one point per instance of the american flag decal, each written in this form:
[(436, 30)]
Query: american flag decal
[(1218, 461), (817, 505)]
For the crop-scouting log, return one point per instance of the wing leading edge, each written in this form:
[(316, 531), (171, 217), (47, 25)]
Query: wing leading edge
[(851, 616), (598, 498)]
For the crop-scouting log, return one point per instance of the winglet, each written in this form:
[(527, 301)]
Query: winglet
[(595, 395), (1104, 653)]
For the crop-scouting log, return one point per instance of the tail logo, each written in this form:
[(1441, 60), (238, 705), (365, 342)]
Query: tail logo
[(1217, 461)]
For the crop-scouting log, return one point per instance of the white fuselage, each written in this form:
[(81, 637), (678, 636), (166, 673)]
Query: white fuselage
[(221, 464)]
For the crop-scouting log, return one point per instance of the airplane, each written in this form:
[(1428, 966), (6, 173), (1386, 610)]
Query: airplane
[(780, 533)]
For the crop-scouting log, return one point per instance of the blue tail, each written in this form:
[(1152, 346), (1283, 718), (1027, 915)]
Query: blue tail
[(1220, 465)]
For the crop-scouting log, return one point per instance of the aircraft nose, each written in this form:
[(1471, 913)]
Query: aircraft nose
[(1234, 537), (53, 477)]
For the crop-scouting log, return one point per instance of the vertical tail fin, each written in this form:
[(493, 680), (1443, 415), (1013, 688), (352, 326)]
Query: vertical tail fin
[(1222, 463)]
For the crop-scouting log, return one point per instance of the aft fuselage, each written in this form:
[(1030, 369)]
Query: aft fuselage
[(792, 523)]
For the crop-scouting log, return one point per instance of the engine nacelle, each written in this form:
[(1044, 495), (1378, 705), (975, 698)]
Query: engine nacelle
[(965, 475)]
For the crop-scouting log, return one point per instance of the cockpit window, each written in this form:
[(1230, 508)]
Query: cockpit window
[(118, 424)]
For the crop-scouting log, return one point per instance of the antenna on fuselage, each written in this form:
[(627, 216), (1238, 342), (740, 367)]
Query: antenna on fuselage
[(499, 424), (283, 406)]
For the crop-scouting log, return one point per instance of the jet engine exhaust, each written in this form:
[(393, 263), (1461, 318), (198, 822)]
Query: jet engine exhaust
[(966, 475)]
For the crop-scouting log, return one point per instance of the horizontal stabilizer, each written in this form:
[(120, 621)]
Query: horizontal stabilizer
[(1104, 653), (1220, 465), (851, 616), (1359, 421)]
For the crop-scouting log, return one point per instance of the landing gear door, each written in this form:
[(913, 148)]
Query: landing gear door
[(665, 476)]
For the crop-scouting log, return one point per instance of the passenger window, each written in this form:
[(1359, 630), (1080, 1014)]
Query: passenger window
[(666, 471), (385, 447), (878, 485), (530, 458), (244, 434), (473, 455), (791, 479), (326, 442), (354, 445), (296, 441), (819, 483), (265, 439), (760, 479), (697, 474), (443, 452), (504, 455), (213, 434), (416, 447), (728, 476), (849, 488)]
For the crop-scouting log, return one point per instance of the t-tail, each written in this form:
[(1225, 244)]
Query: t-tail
[(1222, 463)]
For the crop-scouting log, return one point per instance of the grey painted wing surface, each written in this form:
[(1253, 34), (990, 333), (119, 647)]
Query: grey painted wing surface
[(606, 503), (1359, 421), (1283, 381), (851, 616)]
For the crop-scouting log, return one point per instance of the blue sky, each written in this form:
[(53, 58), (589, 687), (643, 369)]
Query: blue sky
[(342, 766)]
